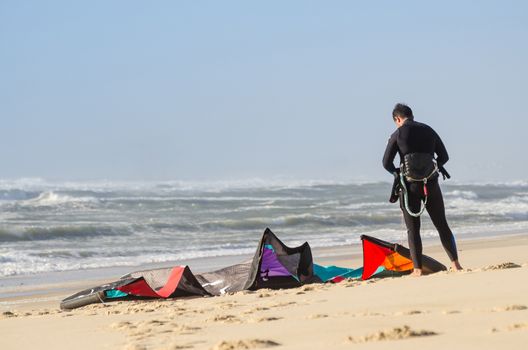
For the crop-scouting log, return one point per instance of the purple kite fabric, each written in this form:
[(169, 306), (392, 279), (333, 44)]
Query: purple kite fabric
[(271, 266)]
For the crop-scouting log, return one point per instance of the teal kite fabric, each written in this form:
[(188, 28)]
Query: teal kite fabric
[(114, 293), (335, 273)]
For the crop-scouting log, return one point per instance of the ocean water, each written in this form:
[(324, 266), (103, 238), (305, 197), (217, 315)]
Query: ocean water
[(49, 226)]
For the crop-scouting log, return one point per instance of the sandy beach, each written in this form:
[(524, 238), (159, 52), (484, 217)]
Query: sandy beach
[(483, 307), (208, 176)]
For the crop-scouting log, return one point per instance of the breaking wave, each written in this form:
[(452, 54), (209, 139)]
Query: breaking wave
[(50, 198), (461, 194)]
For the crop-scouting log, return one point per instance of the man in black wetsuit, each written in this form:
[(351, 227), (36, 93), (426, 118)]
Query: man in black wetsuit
[(412, 137)]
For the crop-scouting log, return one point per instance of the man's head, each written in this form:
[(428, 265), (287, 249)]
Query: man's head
[(401, 113)]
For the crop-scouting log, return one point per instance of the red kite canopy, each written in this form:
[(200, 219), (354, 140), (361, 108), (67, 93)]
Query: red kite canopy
[(381, 256)]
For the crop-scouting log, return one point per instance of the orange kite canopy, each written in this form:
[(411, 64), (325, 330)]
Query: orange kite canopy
[(379, 256)]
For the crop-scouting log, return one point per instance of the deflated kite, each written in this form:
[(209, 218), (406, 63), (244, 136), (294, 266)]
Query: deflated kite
[(273, 266)]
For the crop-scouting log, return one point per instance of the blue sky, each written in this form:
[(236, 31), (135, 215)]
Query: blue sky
[(215, 90)]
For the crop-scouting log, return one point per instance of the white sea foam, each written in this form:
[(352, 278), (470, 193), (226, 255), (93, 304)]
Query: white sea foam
[(462, 194), (50, 198), (512, 183), (505, 207), (35, 184), (366, 205)]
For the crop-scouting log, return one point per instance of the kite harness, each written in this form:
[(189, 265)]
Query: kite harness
[(418, 167)]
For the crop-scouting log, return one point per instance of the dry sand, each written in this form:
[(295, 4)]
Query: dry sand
[(483, 307)]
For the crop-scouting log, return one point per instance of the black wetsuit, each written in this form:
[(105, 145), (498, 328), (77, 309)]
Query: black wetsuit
[(414, 137)]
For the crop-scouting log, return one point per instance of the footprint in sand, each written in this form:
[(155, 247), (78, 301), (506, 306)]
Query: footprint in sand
[(257, 309), (113, 312), (517, 326), (175, 314), (503, 266), (140, 336), (145, 329), (179, 309), (452, 271), (225, 319), (203, 311), (266, 319), (513, 327), (284, 304), (141, 333), (368, 313), (397, 333), (409, 313), (510, 308), (9, 314), (264, 295), (352, 284), (133, 310), (123, 325), (156, 323), (174, 327), (261, 308), (244, 344), (188, 329), (413, 312), (316, 316), (226, 306), (450, 312)]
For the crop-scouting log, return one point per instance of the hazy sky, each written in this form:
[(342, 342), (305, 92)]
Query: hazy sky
[(201, 90)]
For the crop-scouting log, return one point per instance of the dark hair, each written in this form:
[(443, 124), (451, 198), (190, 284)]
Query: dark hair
[(402, 111)]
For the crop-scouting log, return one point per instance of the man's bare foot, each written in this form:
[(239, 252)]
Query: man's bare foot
[(417, 273), (455, 266)]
